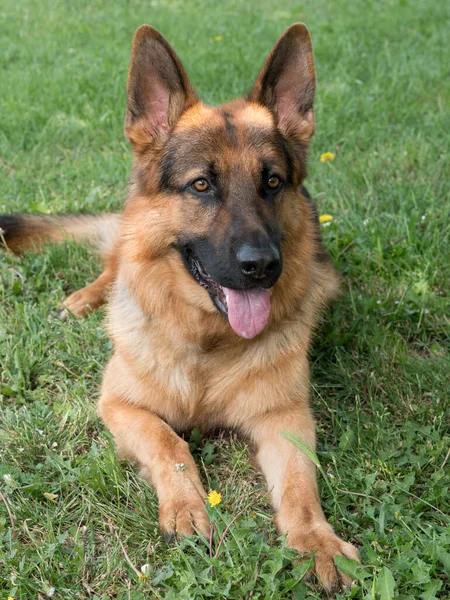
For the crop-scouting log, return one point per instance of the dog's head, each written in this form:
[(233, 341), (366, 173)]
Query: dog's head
[(216, 188)]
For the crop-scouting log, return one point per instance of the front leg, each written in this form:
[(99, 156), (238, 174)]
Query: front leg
[(87, 299), (291, 478), (164, 459)]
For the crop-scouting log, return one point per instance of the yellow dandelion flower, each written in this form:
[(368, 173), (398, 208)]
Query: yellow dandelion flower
[(218, 38), (327, 157), (214, 498), (10, 598), (325, 218)]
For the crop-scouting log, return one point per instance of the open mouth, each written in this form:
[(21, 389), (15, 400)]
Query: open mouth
[(246, 310), (215, 290)]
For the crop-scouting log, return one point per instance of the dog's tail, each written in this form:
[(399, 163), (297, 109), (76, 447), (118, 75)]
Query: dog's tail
[(21, 232)]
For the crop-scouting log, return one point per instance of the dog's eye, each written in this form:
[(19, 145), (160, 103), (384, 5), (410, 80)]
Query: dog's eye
[(274, 182), (200, 185)]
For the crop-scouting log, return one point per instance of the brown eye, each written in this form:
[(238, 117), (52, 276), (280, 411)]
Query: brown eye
[(273, 182), (200, 185)]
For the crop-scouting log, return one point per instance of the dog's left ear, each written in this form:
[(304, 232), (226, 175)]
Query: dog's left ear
[(287, 82)]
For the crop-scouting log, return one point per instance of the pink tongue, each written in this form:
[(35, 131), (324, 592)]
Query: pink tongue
[(248, 310)]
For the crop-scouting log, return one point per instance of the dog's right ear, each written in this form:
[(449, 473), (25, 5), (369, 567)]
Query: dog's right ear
[(158, 89), (287, 82)]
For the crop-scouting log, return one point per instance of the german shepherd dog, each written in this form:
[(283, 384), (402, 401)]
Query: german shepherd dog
[(217, 276)]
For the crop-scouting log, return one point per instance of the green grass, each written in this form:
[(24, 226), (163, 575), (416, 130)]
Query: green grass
[(381, 363)]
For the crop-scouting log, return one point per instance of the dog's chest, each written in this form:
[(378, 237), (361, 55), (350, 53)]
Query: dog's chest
[(190, 384), (165, 365)]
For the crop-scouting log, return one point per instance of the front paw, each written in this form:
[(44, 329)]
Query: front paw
[(181, 515), (325, 545), (78, 304)]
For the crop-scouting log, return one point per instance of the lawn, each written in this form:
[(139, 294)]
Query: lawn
[(77, 523)]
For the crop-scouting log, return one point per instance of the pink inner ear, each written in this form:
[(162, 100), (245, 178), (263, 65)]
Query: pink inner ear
[(158, 107), (288, 92), (158, 115), (285, 104)]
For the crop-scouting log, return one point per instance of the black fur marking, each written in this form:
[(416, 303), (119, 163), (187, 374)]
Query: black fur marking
[(169, 537), (264, 191), (230, 128), (322, 255), (212, 175), (11, 227), (166, 171), (288, 158)]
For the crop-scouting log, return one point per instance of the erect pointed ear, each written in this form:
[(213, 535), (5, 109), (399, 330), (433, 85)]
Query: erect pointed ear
[(287, 82), (158, 90)]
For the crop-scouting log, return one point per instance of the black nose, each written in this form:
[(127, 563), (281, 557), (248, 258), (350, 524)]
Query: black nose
[(258, 261)]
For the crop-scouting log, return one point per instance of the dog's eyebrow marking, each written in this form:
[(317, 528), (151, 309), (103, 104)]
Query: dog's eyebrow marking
[(230, 128), (166, 168)]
